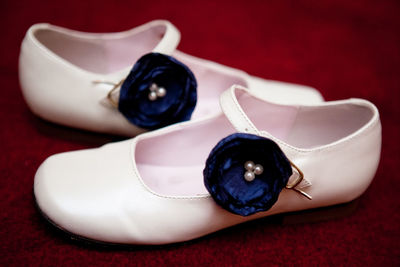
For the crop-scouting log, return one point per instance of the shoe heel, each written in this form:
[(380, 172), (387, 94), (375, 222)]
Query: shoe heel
[(321, 214)]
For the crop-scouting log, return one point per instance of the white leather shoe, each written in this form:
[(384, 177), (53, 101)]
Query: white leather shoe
[(66, 77), (165, 186)]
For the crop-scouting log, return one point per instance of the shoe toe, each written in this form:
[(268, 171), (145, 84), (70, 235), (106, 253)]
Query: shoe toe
[(82, 192)]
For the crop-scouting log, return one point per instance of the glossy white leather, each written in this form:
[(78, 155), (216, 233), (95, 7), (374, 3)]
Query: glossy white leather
[(58, 67), (149, 189)]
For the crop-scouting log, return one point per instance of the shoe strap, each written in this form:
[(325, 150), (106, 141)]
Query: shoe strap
[(234, 112), (242, 123), (170, 40), (167, 46), (236, 115)]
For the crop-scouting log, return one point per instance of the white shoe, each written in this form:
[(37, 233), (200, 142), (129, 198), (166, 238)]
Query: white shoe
[(67, 77), (165, 186)]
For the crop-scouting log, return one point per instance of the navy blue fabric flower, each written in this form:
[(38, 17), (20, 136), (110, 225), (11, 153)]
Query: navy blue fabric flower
[(158, 91), (234, 181)]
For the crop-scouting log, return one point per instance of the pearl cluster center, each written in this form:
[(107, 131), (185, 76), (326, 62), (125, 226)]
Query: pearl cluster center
[(252, 170), (156, 92)]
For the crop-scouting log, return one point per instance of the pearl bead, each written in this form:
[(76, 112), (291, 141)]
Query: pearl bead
[(249, 176), (153, 87), (152, 96), (249, 165), (161, 92), (258, 169)]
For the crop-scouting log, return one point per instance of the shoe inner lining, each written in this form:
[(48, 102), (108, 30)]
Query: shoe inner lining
[(101, 53), (108, 53)]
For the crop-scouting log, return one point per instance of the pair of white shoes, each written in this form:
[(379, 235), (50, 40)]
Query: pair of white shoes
[(256, 149)]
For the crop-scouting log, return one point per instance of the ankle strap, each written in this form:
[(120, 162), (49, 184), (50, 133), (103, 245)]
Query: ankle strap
[(170, 40), (234, 112)]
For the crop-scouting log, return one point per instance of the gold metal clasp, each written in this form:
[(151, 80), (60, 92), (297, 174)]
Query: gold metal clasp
[(297, 182), (110, 97)]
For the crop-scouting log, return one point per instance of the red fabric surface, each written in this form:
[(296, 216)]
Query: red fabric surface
[(343, 48)]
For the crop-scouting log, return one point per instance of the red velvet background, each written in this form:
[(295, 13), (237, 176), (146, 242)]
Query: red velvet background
[(343, 48)]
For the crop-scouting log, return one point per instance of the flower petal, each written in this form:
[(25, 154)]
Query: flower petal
[(176, 105), (225, 170)]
